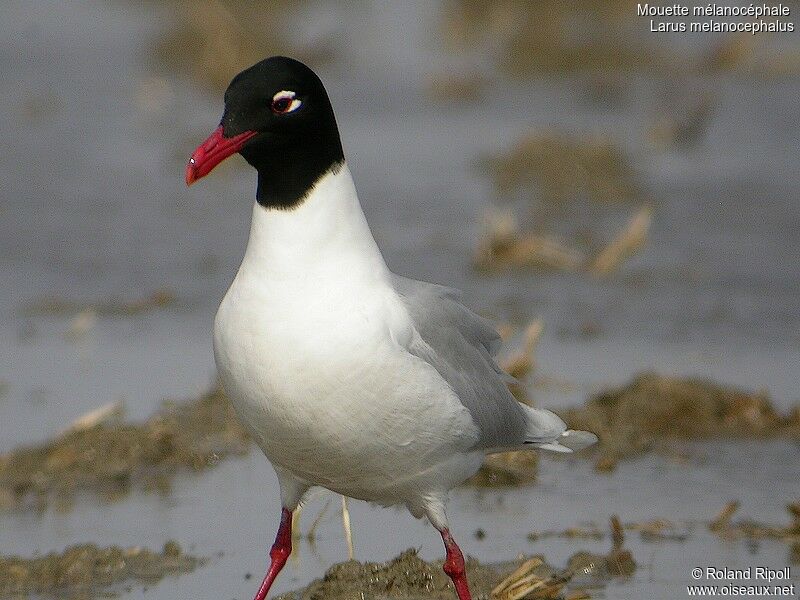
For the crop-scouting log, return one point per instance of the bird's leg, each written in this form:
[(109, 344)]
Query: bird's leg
[(454, 565), (280, 552)]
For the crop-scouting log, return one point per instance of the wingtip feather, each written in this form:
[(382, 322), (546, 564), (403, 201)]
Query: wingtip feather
[(577, 440)]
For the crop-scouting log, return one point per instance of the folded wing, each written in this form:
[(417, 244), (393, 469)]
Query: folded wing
[(461, 346)]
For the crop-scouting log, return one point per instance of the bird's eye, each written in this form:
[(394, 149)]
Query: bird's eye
[(284, 102)]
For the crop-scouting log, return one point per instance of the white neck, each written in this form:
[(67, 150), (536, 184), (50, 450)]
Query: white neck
[(326, 235)]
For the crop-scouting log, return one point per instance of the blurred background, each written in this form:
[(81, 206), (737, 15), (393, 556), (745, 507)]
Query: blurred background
[(623, 202)]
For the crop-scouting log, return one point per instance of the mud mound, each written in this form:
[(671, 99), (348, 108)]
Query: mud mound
[(565, 168), (407, 576), (410, 577), (631, 419), (111, 459), (85, 570)]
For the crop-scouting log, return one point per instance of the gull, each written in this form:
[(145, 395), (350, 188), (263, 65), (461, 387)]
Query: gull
[(348, 376)]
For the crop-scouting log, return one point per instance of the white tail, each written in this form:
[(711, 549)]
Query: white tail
[(570, 441), (547, 431)]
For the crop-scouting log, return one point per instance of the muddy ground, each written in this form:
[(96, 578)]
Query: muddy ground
[(410, 577), (110, 460), (86, 571), (654, 409)]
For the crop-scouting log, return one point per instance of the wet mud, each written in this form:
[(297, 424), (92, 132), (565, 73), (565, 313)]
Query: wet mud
[(653, 408), (109, 460), (564, 168), (410, 577), (86, 571)]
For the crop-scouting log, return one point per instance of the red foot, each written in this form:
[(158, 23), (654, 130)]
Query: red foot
[(280, 552), (454, 566)]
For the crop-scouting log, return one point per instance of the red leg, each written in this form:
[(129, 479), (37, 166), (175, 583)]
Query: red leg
[(454, 566), (280, 552)]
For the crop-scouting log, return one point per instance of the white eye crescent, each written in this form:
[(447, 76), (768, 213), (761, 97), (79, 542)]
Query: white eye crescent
[(284, 102)]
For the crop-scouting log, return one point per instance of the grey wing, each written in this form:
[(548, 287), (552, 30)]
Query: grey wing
[(461, 347)]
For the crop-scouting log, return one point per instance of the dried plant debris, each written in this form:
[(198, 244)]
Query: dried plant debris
[(630, 240), (81, 325), (650, 531), (109, 460), (503, 246), (212, 40), (84, 312), (724, 526), (589, 532), (111, 412), (564, 168), (617, 563), (521, 362), (566, 184), (87, 571), (659, 530), (723, 519), (534, 579), (630, 419)]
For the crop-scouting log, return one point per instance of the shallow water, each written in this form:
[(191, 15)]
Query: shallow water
[(94, 207)]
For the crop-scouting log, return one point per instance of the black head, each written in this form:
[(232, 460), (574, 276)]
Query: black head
[(278, 116)]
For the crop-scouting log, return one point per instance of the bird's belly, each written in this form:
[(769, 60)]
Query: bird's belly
[(359, 418), (356, 439)]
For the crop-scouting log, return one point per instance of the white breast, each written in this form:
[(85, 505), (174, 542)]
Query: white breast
[(310, 344)]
